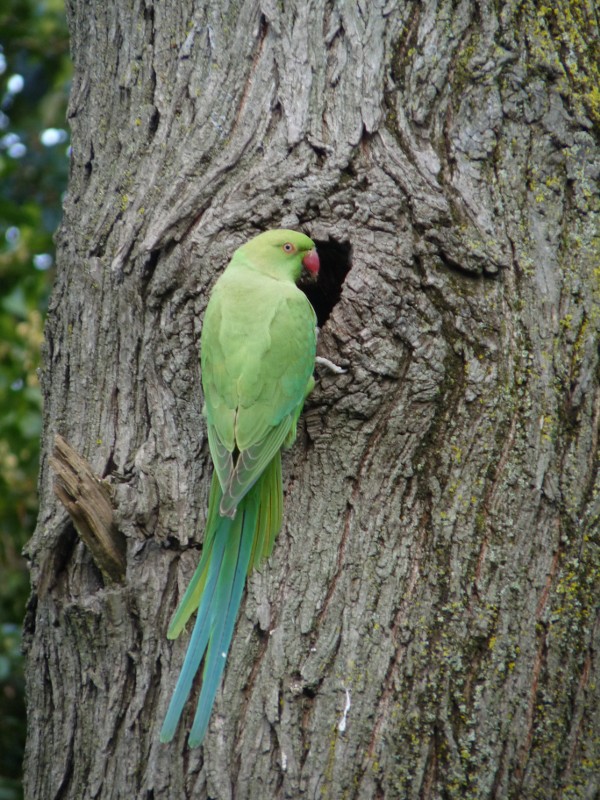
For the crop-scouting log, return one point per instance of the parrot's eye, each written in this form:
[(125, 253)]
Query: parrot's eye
[(288, 247)]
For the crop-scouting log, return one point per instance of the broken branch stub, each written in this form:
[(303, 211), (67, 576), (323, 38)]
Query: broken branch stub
[(87, 500)]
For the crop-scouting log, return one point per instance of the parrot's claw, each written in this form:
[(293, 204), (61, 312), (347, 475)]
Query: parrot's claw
[(325, 362)]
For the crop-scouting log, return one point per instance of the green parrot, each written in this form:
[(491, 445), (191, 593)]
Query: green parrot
[(257, 357)]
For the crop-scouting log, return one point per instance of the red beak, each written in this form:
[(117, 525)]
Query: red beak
[(311, 262)]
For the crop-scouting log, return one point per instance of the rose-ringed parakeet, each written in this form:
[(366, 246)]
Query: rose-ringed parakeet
[(257, 357)]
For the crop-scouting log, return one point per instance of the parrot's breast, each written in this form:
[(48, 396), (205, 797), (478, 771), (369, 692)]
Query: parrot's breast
[(258, 350)]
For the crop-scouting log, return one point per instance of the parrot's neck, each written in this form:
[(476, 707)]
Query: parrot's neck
[(286, 271)]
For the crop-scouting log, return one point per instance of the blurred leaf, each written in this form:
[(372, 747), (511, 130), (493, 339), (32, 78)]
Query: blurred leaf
[(30, 424), (15, 303)]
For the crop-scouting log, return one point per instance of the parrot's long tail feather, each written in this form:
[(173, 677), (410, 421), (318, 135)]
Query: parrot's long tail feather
[(229, 596), (231, 548)]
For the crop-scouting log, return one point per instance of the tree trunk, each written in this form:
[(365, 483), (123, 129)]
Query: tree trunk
[(426, 626)]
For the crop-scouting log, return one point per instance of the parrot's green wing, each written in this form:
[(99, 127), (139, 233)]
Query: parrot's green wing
[(250, 465)]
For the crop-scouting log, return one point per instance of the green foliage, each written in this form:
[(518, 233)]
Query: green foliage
[(12, 689), (34, 77)]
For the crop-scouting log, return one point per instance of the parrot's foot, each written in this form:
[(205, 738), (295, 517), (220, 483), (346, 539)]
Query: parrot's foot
[(325, 362)]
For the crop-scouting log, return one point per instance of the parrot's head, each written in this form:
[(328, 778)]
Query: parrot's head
[(283, 254)]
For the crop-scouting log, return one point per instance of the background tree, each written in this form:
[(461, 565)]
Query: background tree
[(426, 626), (34, 72)]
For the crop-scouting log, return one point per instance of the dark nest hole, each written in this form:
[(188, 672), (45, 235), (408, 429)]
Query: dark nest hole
[(325, 292)]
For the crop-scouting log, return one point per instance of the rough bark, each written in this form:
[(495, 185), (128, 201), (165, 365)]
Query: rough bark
[(426, 627)]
